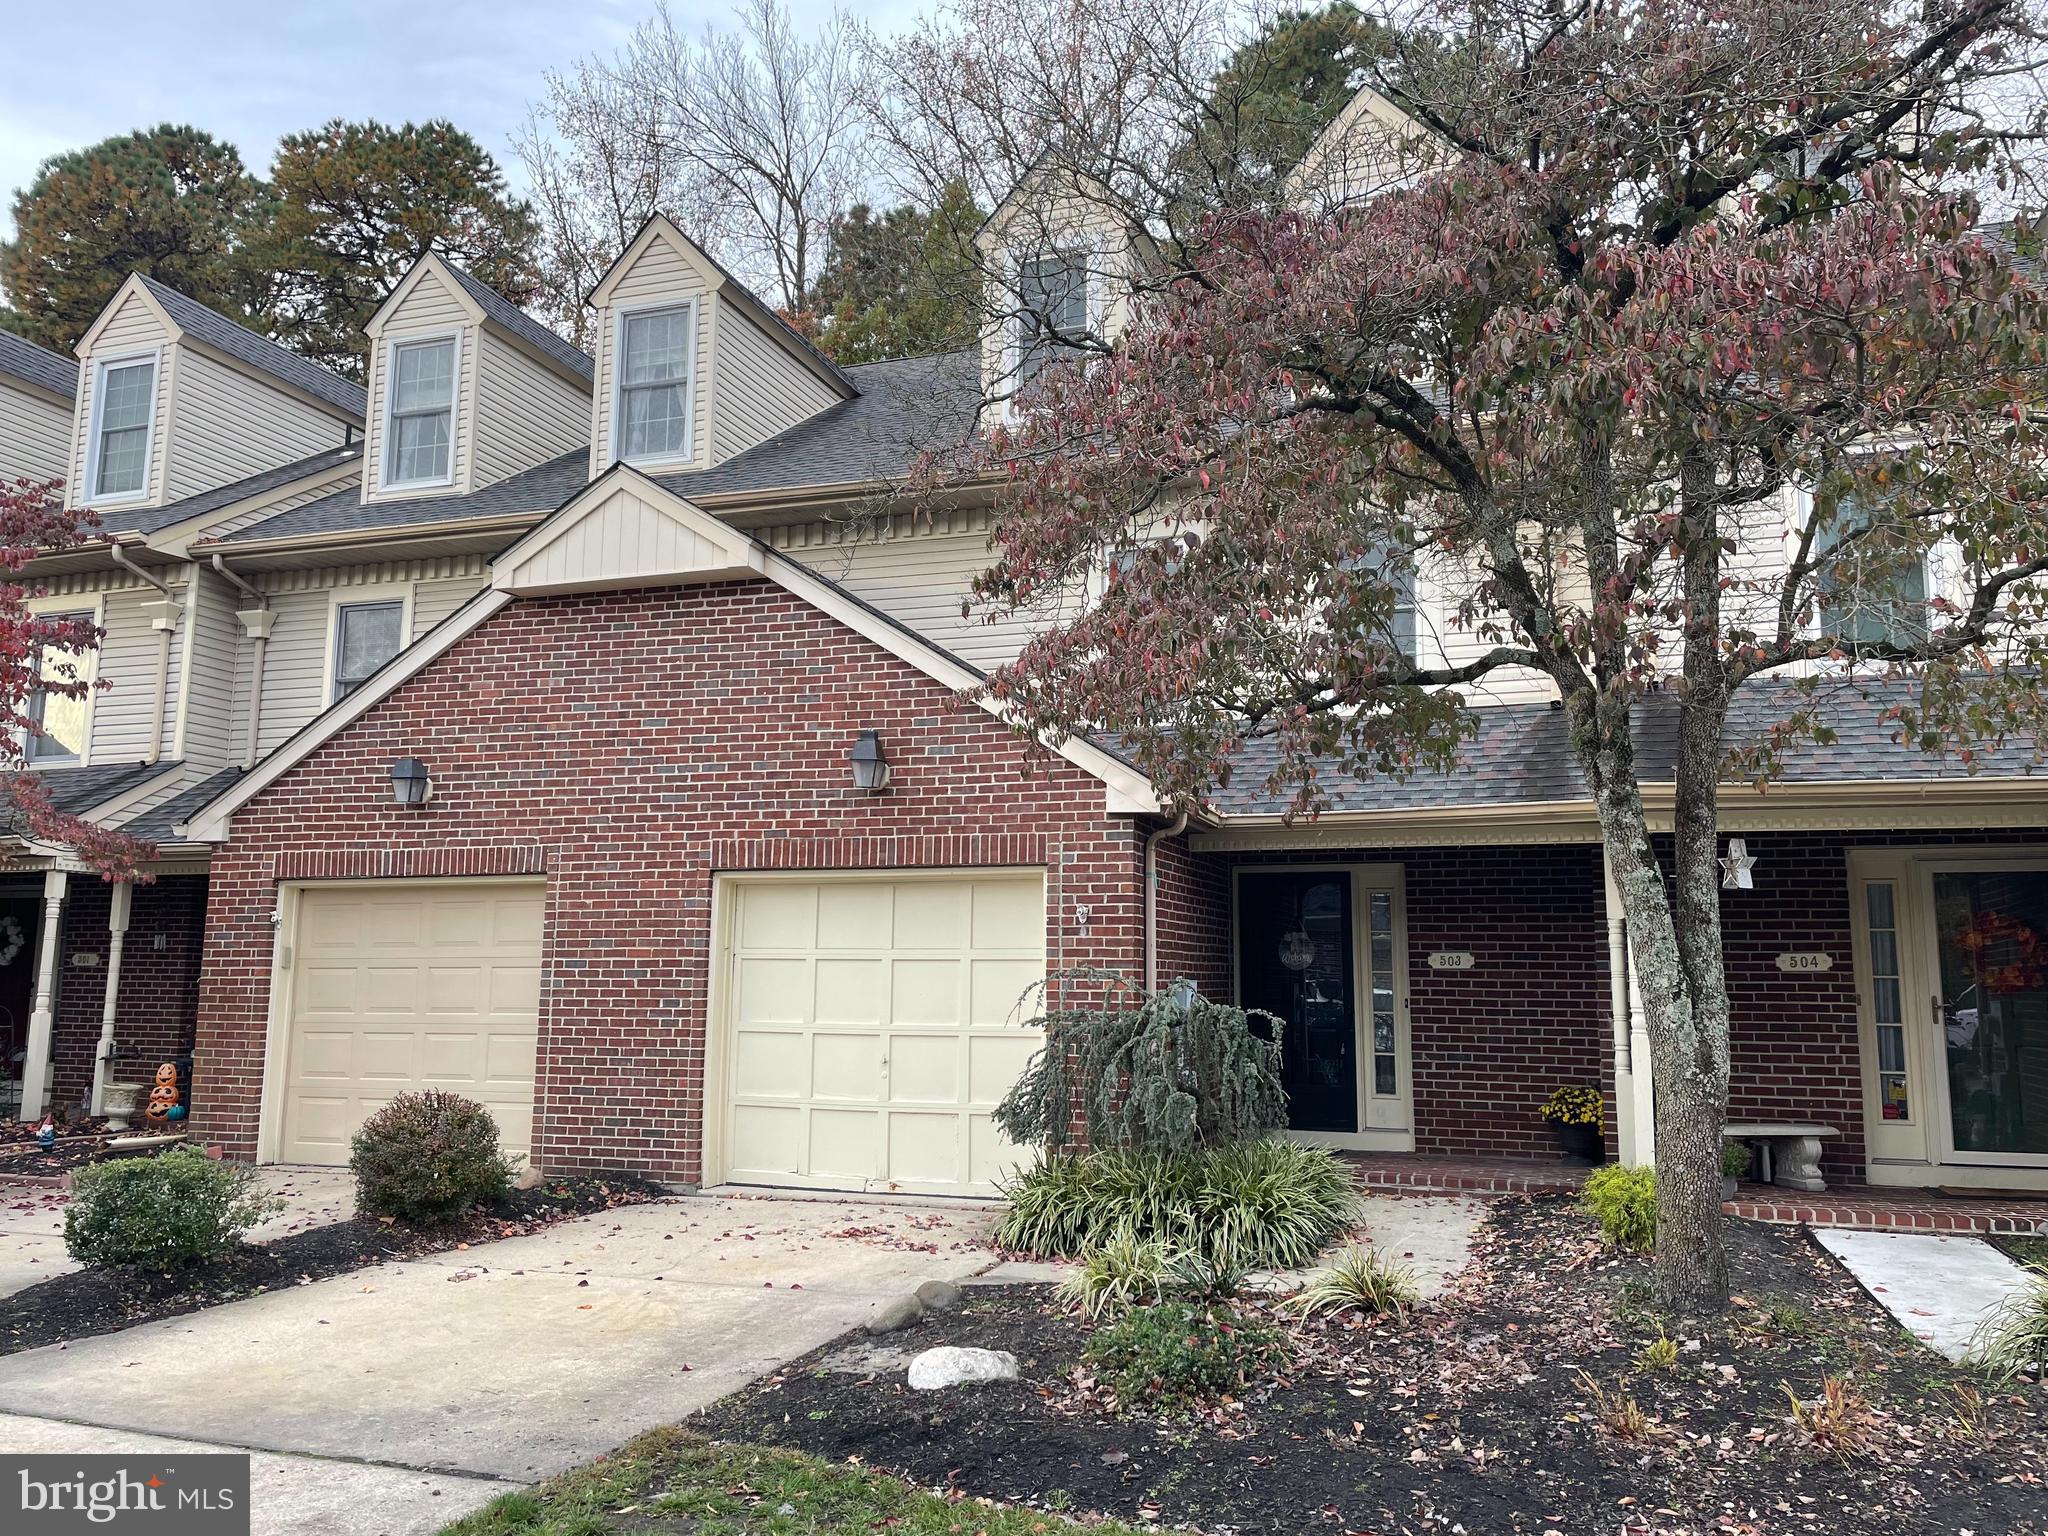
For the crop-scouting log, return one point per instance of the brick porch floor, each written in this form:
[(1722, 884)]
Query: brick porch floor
[(1905, 1210)]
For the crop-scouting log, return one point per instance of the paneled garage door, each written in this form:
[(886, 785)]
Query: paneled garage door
[(398, 987), (872, 1024)]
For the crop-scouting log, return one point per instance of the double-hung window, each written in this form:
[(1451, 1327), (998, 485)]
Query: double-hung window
[(125, 406), (421, 426), (1052, 310), (1870, 590), (60, 720), (654, 384), (366, 635)]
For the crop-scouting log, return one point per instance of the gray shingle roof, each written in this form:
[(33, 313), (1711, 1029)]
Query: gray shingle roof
[(259, 352), (24, 360), (149, 519), (1520, 755), (75, 791), (155, 825), (504, 312), (905, 408)]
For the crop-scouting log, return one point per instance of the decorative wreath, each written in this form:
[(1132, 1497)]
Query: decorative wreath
[(11, 940), (2021, 967)]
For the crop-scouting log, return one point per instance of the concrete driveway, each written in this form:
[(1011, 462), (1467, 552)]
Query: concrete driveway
[(507, 1362)]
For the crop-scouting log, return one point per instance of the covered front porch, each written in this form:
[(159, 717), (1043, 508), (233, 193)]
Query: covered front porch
[(1441, 968)]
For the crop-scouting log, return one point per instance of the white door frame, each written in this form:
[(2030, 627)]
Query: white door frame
[(1365, 878), (713, 1154), (277, 1025)]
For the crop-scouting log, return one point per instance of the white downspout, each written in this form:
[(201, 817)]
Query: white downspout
[(257, 622), (165, 622), (1179, 825), (119, 900)]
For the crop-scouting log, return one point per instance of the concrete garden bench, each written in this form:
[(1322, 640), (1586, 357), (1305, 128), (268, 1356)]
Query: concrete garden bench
[(1789, 1154)]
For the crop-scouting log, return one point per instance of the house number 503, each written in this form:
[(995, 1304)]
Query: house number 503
[(1806, 960)]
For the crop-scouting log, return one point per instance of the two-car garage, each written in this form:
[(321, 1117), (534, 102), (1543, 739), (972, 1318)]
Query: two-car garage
[(865, 1025)]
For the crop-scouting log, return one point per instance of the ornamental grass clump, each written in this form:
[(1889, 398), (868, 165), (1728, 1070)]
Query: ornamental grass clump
[(1361, 1280), (2012, 1340), (1256, 1205)]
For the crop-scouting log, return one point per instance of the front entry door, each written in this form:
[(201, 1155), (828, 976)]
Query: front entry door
[(1991, 952), (1320, 948)]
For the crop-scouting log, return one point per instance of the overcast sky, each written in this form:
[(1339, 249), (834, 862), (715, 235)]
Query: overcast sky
[(250, 71)]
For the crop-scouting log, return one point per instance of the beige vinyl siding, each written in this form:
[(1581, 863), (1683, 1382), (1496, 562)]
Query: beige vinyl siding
[(127, 665), (295, 681), (526, 414), (429, 310), (757, 388), (916, 571), (660, 276), (210, 732), (226, 426), (35, 435), (133, 328)]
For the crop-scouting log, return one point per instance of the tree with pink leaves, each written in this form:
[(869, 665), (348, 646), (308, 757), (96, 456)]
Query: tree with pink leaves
[(1672, 268)]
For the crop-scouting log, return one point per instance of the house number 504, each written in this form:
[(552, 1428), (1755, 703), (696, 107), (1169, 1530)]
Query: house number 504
[(1806, 960)]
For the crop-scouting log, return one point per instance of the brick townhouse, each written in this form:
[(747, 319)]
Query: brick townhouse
[(586, 734)]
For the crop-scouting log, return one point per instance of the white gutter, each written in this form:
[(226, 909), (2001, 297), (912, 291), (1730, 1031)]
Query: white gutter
[(165, 622), (1152, 842), (257, 622)]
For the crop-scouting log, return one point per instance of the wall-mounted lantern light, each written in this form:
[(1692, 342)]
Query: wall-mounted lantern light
[(410, 784), (870, 767)]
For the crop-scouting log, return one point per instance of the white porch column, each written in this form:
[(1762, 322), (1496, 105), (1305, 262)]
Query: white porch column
[(119, 901), (1634, 1110), (35, 1069)]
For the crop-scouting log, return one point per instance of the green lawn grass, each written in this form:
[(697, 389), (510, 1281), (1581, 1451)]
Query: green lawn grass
[(670, 1479)]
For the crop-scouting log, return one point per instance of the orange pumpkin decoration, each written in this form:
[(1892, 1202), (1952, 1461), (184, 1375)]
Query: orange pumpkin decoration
[(162, 1094)]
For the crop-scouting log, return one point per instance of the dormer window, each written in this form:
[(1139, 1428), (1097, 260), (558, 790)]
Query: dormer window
[(124, 411), (1052, 297), (420, 425), (655, 347)]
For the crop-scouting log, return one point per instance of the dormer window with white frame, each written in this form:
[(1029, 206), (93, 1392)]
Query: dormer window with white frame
[(651, 414), (419, 426), (124, 423), (1052, 311)]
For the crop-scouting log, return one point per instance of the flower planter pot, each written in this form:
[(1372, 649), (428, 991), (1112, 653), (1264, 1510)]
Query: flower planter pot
[(1727, 1187), (1582, 1144)]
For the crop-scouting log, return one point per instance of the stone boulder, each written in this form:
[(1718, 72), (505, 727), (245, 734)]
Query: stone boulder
[(951, 1365)]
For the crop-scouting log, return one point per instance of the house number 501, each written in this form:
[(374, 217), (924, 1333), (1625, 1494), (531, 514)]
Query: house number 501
[(1806, 960)]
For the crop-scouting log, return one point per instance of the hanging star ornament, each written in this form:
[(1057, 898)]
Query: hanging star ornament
[(1736, 867)]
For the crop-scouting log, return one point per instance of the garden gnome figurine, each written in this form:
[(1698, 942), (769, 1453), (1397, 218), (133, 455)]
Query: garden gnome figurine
[(46, 1134)]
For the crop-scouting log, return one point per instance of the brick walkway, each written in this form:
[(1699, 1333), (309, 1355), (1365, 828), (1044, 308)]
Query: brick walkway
[(1901, 1210)]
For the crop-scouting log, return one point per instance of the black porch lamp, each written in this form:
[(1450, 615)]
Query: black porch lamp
[(870, 767), (410, 784)]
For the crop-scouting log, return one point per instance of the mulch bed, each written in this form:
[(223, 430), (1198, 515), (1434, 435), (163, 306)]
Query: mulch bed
[(20, 1156), (82, 1303), (1471, 1415)]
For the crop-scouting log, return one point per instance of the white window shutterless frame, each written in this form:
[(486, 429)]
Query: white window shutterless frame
[(420, 380), (654, 399), (65, 723), (123, 427), (366, 627)]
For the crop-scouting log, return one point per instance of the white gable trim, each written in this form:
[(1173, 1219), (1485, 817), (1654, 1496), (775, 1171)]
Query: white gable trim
[(1401, 127), (430, 262), (1125, 789), (658, 227), (133, 287), (625, 531)]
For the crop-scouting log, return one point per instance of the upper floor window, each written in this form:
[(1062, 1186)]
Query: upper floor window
[(1052, 302), (421, 426), (654, 384), (1869, 592), (124, 410), (60, 720), (366, 635)]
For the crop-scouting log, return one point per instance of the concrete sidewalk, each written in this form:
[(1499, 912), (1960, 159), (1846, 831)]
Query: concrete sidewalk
[(512, 1360), (1939, 1288)]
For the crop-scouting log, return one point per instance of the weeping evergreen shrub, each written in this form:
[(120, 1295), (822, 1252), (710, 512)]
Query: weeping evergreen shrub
[(1169, 1071)]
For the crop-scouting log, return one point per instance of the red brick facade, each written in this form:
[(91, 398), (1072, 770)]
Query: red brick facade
[(157, 1005), (631, 744)]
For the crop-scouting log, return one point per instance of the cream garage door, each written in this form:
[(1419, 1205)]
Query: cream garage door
[(405, 987), (872, 1024)]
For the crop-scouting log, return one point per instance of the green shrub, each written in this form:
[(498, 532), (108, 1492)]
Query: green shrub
[(1624, 1202), (1180, 1351), (1734, 1160), (1257, 1205), (1360, 1280), (428, 1157), (2012, 1341), (1127, 1271), (181, 1207), (1161, 1072)]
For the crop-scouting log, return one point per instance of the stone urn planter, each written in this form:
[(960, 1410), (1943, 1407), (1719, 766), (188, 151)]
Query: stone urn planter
[(121, 1102)]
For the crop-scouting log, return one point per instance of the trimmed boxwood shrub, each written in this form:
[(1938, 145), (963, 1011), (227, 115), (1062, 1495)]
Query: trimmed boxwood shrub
[(161, 1213), (428, 1157), (1254, 1205)]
